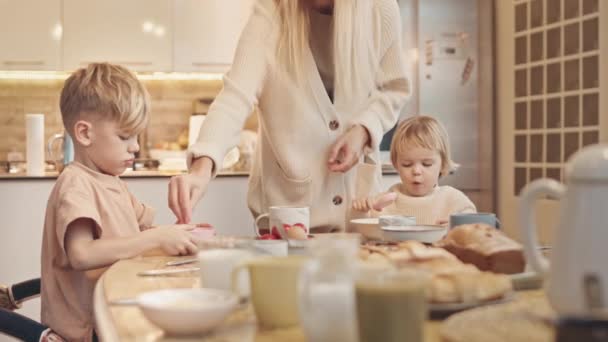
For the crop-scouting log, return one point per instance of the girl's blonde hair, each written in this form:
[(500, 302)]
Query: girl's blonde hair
[(355, 59), (426, 132), (108, 92)]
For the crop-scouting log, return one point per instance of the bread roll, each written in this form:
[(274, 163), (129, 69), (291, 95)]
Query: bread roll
[(485, 247), (452, 281)]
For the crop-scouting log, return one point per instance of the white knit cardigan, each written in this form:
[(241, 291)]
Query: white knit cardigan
[(290, 164)]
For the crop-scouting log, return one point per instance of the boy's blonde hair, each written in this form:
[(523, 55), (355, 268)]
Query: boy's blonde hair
[(426, 132), (108, 92)]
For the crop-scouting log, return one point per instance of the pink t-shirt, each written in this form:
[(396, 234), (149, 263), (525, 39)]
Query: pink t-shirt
[(67, 294)]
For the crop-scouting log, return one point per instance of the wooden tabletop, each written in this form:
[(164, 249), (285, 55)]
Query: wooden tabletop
[(127, 323)]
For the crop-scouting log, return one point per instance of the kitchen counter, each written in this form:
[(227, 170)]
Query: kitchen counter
[(128, 174), (148, 174)]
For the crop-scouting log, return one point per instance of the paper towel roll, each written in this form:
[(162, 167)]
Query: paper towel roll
[(193, 129), (34, 131)]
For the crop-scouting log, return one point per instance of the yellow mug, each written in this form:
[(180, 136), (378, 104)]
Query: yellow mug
[(274, 292)]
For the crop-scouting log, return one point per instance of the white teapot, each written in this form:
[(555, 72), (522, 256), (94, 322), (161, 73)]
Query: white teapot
[(577, 280)]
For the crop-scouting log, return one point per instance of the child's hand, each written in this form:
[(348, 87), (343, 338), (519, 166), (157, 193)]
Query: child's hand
[(174, 241), (376, 203), (384, 200), (363, 204)]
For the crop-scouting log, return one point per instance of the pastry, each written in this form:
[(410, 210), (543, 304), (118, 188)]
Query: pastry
[(451, 280), (485, 247)]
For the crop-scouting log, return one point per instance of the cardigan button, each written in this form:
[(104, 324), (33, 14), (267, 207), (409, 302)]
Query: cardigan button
[(334, 124), (337, 200)]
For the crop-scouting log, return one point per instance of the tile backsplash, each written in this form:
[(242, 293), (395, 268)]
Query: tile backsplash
[(172, 105)]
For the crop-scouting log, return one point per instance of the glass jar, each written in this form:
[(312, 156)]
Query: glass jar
[(326, 289)]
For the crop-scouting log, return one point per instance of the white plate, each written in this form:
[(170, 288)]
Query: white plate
[(449, 308), (422, 233)]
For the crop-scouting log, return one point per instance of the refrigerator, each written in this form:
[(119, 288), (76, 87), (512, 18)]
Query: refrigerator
[(449, 56)]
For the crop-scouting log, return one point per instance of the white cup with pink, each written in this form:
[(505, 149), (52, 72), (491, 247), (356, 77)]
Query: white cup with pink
[(285, 222)]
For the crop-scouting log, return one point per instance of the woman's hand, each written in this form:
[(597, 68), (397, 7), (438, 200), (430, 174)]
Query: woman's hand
[(345, 152), (186, 190)]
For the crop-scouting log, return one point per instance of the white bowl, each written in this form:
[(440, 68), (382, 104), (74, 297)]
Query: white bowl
[(187, 311), (396, 220), (369, 228), (422, 233)]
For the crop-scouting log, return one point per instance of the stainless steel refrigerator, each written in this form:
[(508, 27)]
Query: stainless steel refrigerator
[(449, 52)]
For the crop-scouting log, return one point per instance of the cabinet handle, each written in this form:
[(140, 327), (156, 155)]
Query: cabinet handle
[(28, 63), (135, 63)]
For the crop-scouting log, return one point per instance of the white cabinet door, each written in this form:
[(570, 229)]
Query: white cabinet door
[(134, 33), (30, 35), (207, 32)]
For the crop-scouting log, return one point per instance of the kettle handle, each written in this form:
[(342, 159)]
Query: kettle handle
[(532, 192)]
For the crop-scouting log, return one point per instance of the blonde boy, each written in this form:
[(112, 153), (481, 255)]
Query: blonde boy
[(92, 220), (420, 153)]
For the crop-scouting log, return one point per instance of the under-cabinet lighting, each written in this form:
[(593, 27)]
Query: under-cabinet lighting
[(57, 32), (159, 31), (147, 26)]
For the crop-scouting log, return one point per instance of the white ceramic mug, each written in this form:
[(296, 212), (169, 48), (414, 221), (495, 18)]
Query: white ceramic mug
[(216, 268), (281, 216)]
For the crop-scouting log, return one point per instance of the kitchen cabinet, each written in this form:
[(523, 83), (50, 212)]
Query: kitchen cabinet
[(134, 33), (30, 35), (206, 33)]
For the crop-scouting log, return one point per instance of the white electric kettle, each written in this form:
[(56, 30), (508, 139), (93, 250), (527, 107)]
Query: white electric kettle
[(578, 275)]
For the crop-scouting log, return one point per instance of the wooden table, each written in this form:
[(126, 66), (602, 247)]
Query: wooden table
[(127, 323)]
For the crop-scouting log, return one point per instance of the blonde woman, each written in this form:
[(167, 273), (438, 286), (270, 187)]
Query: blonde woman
[(420, 152), (329, 79)]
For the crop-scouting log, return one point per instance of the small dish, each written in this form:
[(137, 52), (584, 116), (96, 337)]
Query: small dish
[(369, 228), (203, 233), (187, 311), (422, 233)]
